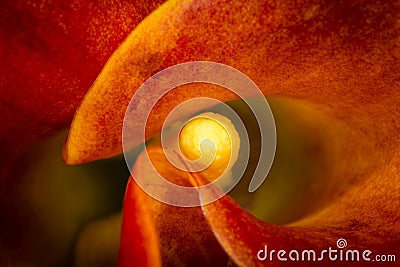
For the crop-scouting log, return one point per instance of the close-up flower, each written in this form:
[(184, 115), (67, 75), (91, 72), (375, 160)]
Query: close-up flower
[(200, 133)]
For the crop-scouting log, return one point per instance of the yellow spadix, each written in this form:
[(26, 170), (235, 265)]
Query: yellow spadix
[(212, 142)]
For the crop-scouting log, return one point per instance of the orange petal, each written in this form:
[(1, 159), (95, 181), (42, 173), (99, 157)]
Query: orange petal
[(139, 241), (51, 53), (365, 217), (341, 54), (185, 237)]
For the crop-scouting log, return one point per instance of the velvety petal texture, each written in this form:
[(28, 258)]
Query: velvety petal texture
[(341, 55), (139, 239), (365, 217), (51, 53), (184, 235), (340, 59)]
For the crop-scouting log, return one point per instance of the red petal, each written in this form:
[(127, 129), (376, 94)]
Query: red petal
[(365, 216), (185, 237), (51, 52), (139, 241)]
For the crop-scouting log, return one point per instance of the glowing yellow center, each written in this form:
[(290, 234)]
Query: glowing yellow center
[(208, 139)]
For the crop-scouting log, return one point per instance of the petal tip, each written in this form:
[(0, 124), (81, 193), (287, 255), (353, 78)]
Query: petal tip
[(65, 155), (71, 156)]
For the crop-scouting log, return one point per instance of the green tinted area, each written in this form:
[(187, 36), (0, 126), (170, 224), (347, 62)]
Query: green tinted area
[(299, 177)]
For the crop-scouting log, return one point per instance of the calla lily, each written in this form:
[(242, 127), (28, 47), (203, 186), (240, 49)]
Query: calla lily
[(339, 60), (336, 62)]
